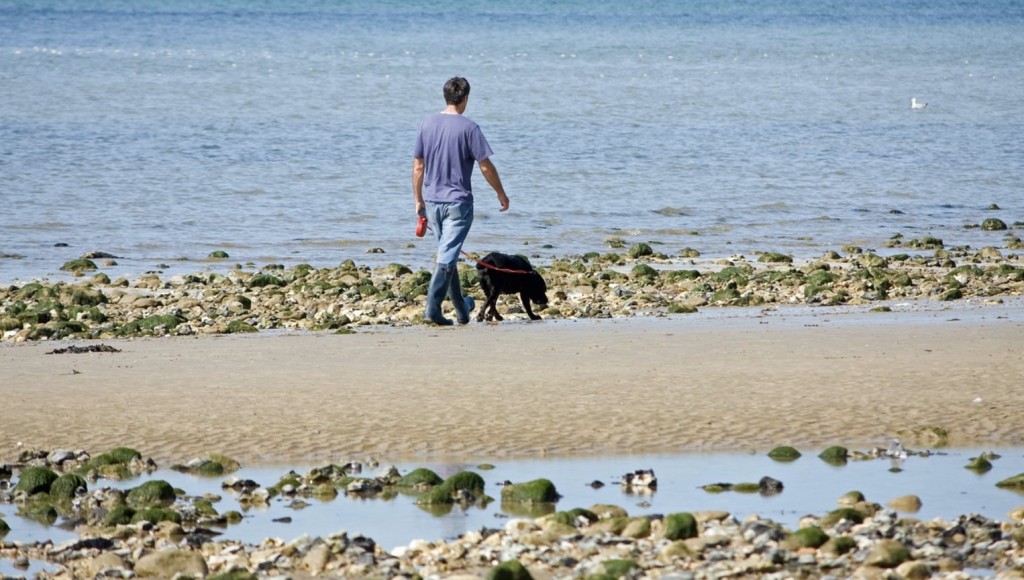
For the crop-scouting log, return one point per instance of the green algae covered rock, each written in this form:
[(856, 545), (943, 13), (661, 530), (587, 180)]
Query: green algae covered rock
[(240, 326), (835, 454), (79, 265), (839, 545), (887, 554), (808, 537), (155, 492), (213, 466), (124, 454), (457, 485), (509, 570), (775, 258), (745, 487), (640, 250), (680, 526), (784, 453), (617, 568), (111, 465), (65, 486), (1015, 482), (261, 280), (979, 465), (643, 271), (835, 516), (234, 575), (35, 480), (420, 477), (156, 514), (4, 528), (39, 509), (150, 324), (993, 224), (575, 517), (676, 276), (119, 516), (218, 255), (536, 491)]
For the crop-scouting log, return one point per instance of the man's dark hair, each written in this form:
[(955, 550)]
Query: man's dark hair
[(456, 90)]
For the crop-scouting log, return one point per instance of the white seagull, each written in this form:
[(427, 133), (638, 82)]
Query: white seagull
[(916, 105)]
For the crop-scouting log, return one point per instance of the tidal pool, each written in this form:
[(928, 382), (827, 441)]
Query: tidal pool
[(811, 486)]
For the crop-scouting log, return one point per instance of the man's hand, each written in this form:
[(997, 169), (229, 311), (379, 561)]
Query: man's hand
[(503, 200)]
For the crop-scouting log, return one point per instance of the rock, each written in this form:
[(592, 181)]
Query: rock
[(449, 490), (680, 526), (79, 265), (807, 537), (1015, 482), (605, 511), (906, 503), (640, 479), (914, 571), (850, 498), (316, 559), (167, 563), (979, 465), (640, 250), (769, 486), (637, 528), (676, 551), (155, 492), (67, 485), (420, 477), (536, 491), (35, 480), (96, 567), (835, 454), (993, 224), (509, 570), (784, 453), (1017, 514), (887, 554)]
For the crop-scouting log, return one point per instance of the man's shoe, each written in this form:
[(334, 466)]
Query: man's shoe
[(470, 305)]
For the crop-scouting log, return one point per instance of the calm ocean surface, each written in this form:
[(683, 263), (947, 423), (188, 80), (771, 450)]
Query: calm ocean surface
[(282, 131)]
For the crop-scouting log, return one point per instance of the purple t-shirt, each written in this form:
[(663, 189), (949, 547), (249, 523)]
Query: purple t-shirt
[(449, 145)]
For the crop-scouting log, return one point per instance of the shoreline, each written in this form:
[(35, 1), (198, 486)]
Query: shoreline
[(721, 381)]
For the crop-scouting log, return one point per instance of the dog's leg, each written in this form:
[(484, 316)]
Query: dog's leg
[(488, 310), (493, 314), (526, 306), (485, 287)]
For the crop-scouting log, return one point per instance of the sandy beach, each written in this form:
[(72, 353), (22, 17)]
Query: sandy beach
[(732, 379)]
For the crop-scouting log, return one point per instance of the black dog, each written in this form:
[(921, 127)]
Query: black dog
[(505, 274)]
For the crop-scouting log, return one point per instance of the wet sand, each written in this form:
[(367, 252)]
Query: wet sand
[(721, 379)]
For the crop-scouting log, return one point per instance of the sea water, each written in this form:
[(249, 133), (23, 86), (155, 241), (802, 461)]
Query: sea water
[(810, 487), (282, 132)]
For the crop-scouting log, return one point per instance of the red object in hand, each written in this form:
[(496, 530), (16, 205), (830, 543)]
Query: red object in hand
[(421, 227)]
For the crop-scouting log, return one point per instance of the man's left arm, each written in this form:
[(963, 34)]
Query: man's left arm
[(490, 173), (418, 168)]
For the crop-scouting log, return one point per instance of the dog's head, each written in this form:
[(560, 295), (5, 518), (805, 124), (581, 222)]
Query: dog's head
[(536, 289)]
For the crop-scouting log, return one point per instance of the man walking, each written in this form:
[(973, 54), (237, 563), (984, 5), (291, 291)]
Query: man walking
[(448, 144)]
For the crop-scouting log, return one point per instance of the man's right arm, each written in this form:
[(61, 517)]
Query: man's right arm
[(490, 173)]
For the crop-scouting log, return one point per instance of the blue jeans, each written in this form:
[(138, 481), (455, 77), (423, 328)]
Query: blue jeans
[(450, 223)]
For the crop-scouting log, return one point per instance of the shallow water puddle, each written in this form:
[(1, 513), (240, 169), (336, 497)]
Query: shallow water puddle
[(811, 486)]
